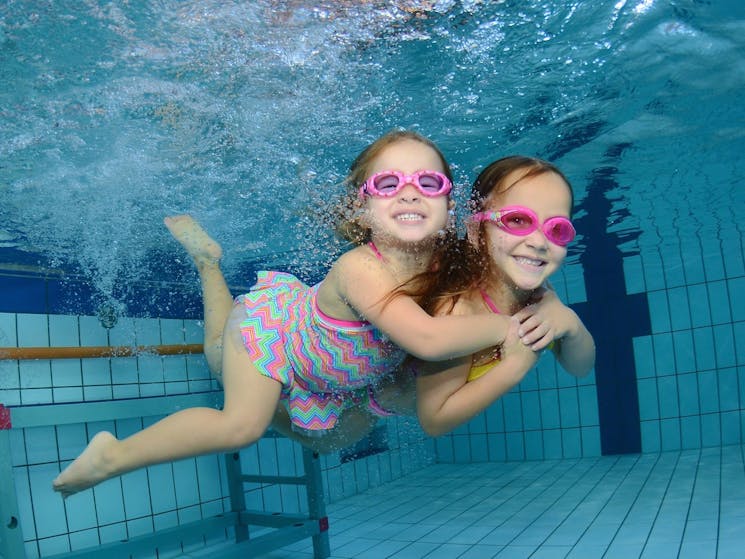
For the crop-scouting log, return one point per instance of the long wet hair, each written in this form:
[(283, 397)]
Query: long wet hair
[(463, 265), (348, 225)]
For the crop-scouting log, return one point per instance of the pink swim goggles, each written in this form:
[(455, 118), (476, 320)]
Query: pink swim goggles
[(522, 221), (388, 183)]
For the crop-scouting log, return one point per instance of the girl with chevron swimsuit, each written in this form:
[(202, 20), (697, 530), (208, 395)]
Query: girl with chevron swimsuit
[(315, 354)]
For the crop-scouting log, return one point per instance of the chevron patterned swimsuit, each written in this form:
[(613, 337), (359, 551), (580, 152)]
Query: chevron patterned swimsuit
[(324, 364)]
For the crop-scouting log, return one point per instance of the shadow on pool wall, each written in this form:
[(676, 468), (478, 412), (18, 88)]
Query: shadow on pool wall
[(613, 316)]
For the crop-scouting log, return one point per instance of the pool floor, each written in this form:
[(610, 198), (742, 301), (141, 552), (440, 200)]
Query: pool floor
[(684, 504)]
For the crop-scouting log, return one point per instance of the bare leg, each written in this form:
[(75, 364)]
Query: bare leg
[(216, 296), (250, 402)]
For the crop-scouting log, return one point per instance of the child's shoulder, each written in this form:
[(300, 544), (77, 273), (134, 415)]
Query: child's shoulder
[(360, 255), (470, 303)]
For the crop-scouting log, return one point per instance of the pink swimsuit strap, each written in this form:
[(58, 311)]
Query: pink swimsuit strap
[(375, 250), (488, 301)]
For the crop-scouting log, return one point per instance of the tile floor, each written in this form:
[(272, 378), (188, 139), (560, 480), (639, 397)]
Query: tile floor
[(687, 504)]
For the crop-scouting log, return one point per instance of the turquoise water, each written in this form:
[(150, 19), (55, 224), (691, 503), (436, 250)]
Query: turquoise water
[(247, 113), (242, 113)]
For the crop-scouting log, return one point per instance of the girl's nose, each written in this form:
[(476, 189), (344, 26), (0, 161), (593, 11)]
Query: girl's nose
[(409, 193), (537, 239)]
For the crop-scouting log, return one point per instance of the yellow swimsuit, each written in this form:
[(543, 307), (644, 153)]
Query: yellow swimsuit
[(478, 371)]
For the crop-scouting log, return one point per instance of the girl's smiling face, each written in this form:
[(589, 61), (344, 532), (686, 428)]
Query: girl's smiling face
[(526, 262), (408, 216)]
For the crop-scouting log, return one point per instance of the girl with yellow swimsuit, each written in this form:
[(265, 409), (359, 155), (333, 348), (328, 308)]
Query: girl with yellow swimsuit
[(517, 238)]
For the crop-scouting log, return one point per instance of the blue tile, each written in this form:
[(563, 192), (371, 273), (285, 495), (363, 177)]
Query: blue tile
[(209, 473), (534, 444), (477, 425), (690, 432), (81, 511), (724, 346), (667, 392), (552, 444), (650, 431), (588, 405), (664, 354), (659, 312), (479, 448), (670, 438), (644, 356), (531, 409), (719, 302), (654, 275), (512, 411), (515, 446), (569, 407), (680, 314), (673, 267), (84, 538), (591, 441), (713, 262), (461, 448), (550, 409), (731, 433), (739, 331), (704, 344), (49, 510), (736, 290), (728, 389), (648, 399), (54, 545), (136, 501), (688, 394), (710, 430), (571, 442), (41, 445), (708, 392), (698, 550), (495, 418), (140, 526), (162, 492), (497, 447), (698, 298), (113, 532), (685, 356), (693, 266), (634, 274)]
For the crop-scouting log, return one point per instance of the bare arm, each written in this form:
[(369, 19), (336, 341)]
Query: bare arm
[(364, 283), (445, 398)]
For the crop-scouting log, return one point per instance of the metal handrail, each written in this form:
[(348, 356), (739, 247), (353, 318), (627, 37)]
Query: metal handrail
[(84, 352)]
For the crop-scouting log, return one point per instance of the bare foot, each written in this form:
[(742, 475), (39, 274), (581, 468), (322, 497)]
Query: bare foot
[(88, 469), (200, 246)]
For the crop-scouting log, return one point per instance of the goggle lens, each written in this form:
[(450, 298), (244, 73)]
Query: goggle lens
[(559, 230), (522, 221), (388, 183), (519, 222)]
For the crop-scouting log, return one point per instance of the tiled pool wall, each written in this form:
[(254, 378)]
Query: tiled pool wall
[(670, 375), (678, 341), (177, 493)]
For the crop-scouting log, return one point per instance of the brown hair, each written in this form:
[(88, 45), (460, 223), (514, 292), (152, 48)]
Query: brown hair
[(348, 225), (459, 266)]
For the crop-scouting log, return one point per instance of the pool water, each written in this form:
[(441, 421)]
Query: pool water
[(247, 114)]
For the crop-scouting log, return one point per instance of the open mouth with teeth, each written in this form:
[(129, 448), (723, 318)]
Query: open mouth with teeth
[(409, 216), (529, 262)]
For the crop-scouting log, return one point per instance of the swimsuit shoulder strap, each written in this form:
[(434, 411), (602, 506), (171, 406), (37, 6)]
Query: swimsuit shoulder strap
[(375, 250), (488, 301)]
